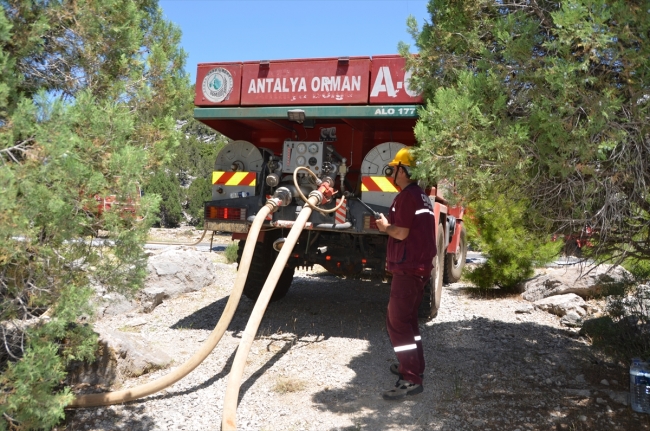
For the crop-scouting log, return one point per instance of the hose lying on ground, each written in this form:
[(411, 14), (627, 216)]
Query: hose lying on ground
[(180, 243), (229, 420), (109, 398)]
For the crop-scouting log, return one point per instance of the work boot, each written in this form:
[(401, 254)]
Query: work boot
[(402, 389), (394, 368)]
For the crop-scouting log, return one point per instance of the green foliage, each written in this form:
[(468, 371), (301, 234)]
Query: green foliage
[(640, 269), (198, 192), (546, 101), (192, 167), (31, 396), (498, 228), (88, 97), (231, 252), (168, 188)]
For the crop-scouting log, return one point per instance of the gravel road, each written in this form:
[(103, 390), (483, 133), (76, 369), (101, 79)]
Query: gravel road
[(321, 359)]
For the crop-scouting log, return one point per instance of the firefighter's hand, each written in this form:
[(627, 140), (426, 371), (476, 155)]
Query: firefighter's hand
[(382, 223)]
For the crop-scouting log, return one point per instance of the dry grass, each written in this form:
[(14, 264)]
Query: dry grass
[(284, 385), (128, 328)]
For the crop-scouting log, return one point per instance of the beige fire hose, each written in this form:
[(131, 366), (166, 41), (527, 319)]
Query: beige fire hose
[(109, 398), (180, 243), (229, 420)]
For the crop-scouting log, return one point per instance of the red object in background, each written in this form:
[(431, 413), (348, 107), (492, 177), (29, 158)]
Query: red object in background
[(106, 203), (126, 207), (575, 242)]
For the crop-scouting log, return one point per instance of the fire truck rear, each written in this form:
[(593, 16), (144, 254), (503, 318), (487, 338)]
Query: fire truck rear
[(343, 119)]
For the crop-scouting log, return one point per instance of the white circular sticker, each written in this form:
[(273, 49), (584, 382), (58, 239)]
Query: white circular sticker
[(410, 91), (217, 85)]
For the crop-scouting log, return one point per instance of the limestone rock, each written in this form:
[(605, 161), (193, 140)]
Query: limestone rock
[(121, 355), (174, 271), (560, 305), (572, 320), (619, 397), (585, 281), (636, 303), (524, 309), (112, 304)]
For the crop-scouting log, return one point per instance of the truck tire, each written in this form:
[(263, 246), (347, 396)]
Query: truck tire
[(263, 260), (433, 289), (454, 263)]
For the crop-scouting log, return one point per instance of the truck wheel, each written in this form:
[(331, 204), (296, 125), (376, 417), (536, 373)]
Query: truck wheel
[(454, 263), (263, 260), (433, 290)]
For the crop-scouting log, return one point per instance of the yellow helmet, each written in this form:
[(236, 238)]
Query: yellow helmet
[(403, 157)]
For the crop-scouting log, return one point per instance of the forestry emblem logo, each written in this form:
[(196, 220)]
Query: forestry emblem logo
[(217, 85)]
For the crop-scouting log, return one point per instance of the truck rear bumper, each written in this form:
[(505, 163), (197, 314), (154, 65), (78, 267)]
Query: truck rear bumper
[(227, 226)]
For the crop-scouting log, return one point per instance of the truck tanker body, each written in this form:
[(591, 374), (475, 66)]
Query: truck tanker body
[(343, 118)]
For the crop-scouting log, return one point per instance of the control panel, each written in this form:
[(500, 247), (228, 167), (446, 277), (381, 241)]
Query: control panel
[(306, 154)]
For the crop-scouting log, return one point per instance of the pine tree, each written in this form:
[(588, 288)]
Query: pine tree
[(184, 183), (545, 101), (89, 93)]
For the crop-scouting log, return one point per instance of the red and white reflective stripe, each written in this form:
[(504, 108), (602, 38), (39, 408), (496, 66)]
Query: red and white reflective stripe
[(417, 338), (339, 217), (407, 347)]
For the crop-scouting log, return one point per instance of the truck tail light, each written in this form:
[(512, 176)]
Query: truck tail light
[(221, 213), (369, 222)]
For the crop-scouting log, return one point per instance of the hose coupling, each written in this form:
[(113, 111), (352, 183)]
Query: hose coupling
[(326, 190), (281, 198), (318, 195)]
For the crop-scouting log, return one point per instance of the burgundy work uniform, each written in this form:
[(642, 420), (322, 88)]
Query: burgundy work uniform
[(411, 261)]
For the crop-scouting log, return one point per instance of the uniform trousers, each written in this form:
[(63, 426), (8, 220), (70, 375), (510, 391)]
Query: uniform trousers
[(402, 323)]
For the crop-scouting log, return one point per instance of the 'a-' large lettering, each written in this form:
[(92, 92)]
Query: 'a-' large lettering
[(383, 82)]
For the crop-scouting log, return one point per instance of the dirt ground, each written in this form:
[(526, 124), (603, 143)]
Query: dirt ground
[(321, 357)]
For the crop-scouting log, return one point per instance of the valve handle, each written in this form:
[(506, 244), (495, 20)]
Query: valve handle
[(374, 213)]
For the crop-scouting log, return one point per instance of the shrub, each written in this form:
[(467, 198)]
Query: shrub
[(640, 269), (198, 192), (497, 227), (87, 129), (167, 187), (231, 252)]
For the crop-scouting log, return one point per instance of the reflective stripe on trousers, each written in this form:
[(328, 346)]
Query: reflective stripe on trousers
[(402, 324)]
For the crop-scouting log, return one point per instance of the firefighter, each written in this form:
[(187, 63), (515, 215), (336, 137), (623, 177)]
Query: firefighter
[(409, 255)]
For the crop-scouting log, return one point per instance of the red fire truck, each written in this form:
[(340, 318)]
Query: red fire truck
[(344, 118)]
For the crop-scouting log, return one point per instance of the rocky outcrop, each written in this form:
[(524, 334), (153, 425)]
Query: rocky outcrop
[(584, 281), (560, 305), (120, 356), (174, 271), (113, 303), (636, 303)]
